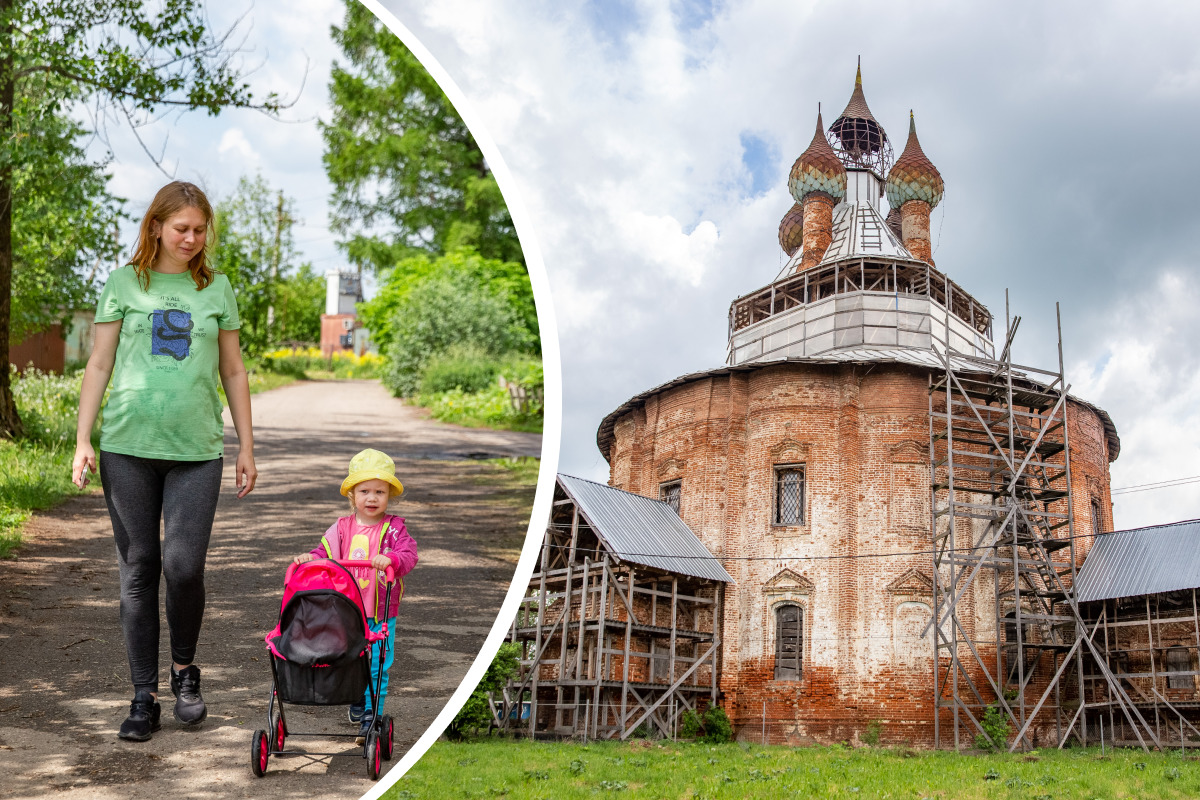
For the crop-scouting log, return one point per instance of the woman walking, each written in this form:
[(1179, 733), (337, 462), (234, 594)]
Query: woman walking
[(166, 332)]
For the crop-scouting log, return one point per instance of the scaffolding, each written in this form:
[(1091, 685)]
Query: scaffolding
[(1002, 515), (608, 645)]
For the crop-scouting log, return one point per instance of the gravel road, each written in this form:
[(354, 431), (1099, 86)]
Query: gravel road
[(64, 682)]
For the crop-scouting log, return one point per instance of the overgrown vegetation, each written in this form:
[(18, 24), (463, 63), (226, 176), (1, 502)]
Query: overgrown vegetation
[(309, 363), (996, 726), (476, 714), (520, 770), (35, 471), (712, 726), (455, 332)]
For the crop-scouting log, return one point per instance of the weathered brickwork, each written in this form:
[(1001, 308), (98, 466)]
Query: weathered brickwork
[(861, 434)]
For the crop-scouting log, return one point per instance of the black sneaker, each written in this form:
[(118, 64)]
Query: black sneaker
[(356, 711), (189, 705), (368, 719), (145, 715)]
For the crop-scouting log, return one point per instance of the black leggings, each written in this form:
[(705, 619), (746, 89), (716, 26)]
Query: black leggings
[(184, 494)]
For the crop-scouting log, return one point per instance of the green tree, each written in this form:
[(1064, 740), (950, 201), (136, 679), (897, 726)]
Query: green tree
[(63, 219), (299, 303), (256, 250), (407, 174), (506, 280), (134, 58)]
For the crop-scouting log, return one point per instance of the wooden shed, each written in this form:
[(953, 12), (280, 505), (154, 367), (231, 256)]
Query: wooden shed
[(620, 628)]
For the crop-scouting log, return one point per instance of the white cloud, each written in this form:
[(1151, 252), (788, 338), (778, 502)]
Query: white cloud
[(234, 143), (1055, 127)]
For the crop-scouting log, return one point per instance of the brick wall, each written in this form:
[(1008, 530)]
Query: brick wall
[(862, 435)]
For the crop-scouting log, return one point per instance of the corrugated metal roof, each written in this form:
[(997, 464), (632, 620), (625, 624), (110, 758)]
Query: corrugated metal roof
[(641, 530), (1162, 558)]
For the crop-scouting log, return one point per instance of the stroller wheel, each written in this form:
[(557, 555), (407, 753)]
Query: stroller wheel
[(374, 754), (280, 734), (385, 736), (260, 751)]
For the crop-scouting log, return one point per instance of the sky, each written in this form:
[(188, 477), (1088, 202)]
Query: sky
[(650, 143), (286, 49)]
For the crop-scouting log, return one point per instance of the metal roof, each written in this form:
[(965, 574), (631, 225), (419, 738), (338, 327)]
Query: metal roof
[(1162, 558), (641, 530)]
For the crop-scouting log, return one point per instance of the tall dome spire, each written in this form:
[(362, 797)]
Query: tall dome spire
[(914, 186), (857, 137), (914, 177), (818, 170)]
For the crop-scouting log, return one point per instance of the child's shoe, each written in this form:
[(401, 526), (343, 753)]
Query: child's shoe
[(144, 718), (189, 705), (356, 712), (368, 719)]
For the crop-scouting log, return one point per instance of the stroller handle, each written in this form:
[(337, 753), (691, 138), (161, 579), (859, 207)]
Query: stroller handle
[(389, 575)]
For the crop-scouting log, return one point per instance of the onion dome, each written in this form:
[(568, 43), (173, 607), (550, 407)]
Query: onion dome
[(791, 230), (893, 223), (914, 177), (857, 137), (818, 170)]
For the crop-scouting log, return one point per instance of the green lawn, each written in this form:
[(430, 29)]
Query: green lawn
[(497, 767)]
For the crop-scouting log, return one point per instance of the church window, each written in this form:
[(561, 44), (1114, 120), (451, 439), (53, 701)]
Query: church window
[(1097, 519), (789, 642), (1179, 660), (789, 495), (669, 493)]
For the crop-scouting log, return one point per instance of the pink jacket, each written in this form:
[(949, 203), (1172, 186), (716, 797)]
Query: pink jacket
[(397, 545)]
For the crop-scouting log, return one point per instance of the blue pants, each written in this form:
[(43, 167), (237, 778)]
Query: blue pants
[(386, 664)]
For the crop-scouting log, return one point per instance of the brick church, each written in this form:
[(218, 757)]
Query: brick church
[(833, 490)]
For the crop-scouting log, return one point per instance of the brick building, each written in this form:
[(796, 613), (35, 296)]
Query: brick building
[(901, 508)]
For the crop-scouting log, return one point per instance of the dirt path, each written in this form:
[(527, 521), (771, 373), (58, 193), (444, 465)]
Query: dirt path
[(64, 681)]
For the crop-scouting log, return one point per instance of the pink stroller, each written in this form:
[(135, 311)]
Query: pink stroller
[(321, 656)]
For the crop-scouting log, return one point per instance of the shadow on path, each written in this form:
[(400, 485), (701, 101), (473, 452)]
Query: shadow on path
[(64, 681)]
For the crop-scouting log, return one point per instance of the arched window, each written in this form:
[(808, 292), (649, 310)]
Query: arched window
[(789, 642)]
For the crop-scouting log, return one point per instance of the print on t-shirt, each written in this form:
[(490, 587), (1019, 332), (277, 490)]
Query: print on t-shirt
[(171, 333)]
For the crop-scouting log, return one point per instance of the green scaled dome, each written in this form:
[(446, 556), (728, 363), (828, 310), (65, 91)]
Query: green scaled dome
[(914, 177), (818, 169)]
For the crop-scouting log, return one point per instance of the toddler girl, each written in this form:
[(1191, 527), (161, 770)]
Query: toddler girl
[(371, 534)]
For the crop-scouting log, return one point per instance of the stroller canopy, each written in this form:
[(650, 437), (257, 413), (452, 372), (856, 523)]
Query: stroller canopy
[(322, 621)]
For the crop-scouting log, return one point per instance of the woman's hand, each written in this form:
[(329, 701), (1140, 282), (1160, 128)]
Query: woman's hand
[(85, 461), (381, 562), (244, 472), (300, 559)]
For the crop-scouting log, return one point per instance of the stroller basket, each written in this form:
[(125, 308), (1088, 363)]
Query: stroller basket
[(321, 656)]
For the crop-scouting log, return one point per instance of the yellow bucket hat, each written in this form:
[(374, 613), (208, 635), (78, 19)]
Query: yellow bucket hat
[(370, 465)]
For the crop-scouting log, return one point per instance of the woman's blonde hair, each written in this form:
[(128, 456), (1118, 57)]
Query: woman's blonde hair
[(170, 200)]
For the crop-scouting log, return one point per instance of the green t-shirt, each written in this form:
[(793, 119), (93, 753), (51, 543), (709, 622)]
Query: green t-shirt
[(164, 402)]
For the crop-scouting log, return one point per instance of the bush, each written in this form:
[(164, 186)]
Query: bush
[(870, 737), (48, 405), (468, 369), (690, 725), (443, 312), (712, 727), (476, 713), (996, 728), (717, 727)]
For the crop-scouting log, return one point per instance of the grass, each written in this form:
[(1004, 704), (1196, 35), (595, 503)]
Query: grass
[(490, 408), (495, 767)]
